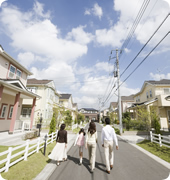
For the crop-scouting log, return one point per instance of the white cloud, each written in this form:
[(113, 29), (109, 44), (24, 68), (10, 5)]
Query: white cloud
[(80, 36), (40, 36), (39, 10), (158, 77), (61, 73), (26, 59), (96, 11), (103, 66)]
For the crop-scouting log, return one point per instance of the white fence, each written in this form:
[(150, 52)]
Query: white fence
[(28, 150), (161, 140)]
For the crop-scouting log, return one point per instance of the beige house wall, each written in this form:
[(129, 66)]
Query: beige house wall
[(162, 104), (5, 65), (8, 100)]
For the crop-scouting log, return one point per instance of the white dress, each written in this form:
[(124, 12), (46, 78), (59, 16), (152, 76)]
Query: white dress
[(59, 152)]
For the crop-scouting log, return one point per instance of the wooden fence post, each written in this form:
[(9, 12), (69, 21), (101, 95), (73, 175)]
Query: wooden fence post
[(38, 144), (151, 136), (160, 142), (26, 150), (8, 159)]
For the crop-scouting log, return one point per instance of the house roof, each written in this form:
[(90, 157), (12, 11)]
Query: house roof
[(89, 109), (114, 104), (16, 85), (155, 83), (144, 103), (65, 96), (162, 81), (37, 81), (127, 98)]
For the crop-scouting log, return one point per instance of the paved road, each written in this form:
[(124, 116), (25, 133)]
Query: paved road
[(130, 164)]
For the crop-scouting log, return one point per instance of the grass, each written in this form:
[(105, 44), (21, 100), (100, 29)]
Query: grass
[(27, 170), (154, 148)]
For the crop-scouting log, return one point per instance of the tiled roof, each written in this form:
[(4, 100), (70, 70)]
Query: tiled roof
[(114, 104), (89, 109), (127, 98), (65, 96), (36, 81), (162, 81)]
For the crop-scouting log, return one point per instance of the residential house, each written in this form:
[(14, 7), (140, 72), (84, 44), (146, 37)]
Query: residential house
[(44, 106), (126, 102), (90, 114), (104, 113), (66, 101), (155, 94), (13, 80)]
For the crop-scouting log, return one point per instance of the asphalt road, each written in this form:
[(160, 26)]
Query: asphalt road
[(129, 164)]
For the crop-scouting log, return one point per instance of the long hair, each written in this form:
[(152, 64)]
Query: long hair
[(82, 131), (62, 127), (92, 128)]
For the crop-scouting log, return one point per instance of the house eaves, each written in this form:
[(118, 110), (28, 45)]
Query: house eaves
[(14, 62), (20, 89)]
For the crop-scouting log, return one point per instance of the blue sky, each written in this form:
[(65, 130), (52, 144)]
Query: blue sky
[(70, 42)]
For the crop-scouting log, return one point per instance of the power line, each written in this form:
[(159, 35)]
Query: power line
[(145, 58), (145, 44)]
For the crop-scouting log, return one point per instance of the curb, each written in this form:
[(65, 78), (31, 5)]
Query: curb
[(156, 158)]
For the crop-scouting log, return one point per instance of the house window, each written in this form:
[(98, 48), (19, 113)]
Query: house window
[(18, 74), (26, 112), (12, 70), (10, 111), (167, 91), (3, 110), (147, 95), (150, 93), (32, 89), (138, 98)]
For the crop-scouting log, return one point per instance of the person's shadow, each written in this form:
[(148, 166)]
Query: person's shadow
[(86, 163)]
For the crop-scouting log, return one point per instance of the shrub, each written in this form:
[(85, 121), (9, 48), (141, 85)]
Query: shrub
[(53, 124)]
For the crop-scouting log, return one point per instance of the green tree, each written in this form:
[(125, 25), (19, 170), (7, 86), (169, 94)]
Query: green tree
[(126, 119), (155, 120), (53, 124), (80, 118), (68, 118), (143, 117)]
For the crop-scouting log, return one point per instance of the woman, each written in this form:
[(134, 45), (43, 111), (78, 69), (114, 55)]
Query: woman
[(59, 153), (91, 140)]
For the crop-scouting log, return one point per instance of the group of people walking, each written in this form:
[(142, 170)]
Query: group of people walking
[(88, 140)]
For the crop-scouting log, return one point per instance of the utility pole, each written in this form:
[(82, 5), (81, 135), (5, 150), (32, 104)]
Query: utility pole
[(117, 74), (119, 97)]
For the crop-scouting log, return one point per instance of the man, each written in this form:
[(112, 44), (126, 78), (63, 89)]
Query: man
[(108, 136)]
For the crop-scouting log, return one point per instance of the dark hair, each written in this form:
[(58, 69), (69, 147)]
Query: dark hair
[(82, 131), (92, 128), (62, 127), (107, 121)]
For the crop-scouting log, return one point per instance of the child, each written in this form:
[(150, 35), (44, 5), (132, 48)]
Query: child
[(80, 141)]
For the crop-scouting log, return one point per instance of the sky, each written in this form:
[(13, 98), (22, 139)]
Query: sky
[(70, 42)]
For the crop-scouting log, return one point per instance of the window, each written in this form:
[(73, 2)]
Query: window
[(32, 89), (10, 111), (11, 71), (18, 74), (147, 95), (3, 110), (150, 93), (26, 112), (167, 91)]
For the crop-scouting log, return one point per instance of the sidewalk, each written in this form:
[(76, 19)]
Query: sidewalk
[(50, 167)]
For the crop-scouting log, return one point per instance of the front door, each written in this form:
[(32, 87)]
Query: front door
[(168, 119)]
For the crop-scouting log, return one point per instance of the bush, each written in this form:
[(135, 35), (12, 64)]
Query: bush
[(117, 131), (30, 135), (53, 124)]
